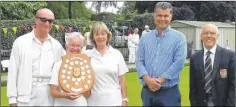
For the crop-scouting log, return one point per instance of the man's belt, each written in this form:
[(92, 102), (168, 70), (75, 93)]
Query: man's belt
[(40, 79), (162, 88)]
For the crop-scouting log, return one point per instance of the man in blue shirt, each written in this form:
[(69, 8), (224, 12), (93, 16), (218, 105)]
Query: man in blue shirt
[(160, 58)]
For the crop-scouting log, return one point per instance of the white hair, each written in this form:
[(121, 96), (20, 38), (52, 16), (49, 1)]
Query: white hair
[(210, 24), (75, 35), (136, 29)]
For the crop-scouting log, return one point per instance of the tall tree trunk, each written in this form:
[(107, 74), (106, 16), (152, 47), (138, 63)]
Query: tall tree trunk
[(69, 10)]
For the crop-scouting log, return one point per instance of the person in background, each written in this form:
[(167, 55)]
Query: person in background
[(129, 32), (212, 72), (160, 59), (133, 41), (146, 29), (74, 45), (88, 42), (32, 58), (109, 67)]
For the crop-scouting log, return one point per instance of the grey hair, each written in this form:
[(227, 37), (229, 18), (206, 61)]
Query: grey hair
[(164, 6), (74, 35)]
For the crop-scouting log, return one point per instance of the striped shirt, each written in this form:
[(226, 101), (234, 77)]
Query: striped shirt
[(161, 55)]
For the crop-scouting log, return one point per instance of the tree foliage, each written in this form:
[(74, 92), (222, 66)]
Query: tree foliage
[(78, 10), (20, 10), (105, 17), (183, 13), (195, 10), (60, 9), (128, 10), (26, 10)]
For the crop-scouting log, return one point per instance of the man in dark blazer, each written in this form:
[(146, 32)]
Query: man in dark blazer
[(212, 72)]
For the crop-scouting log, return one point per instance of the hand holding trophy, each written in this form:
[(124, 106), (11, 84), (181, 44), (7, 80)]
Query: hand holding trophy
[(76, 74)]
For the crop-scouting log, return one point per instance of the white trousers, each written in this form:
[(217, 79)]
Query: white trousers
[(40, 95), (132, 52)]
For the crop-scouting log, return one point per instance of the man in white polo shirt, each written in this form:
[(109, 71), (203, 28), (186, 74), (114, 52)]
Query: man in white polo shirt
[(32, 58)]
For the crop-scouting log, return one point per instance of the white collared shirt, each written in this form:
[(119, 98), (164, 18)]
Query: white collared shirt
[(107, 69), (42, 59), (212, 56), (80, 101)]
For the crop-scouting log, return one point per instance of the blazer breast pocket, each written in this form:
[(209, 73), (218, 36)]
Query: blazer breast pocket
[(223, 74)]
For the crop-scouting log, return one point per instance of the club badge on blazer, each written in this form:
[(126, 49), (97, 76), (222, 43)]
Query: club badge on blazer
[(223, 73)]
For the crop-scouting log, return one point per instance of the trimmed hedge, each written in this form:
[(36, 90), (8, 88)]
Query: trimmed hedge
[(24, 26)]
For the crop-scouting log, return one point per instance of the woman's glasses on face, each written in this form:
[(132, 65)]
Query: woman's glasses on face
[(45, 20), (74, 45)]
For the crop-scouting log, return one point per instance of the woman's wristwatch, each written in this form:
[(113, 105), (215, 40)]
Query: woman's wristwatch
[(125, 99)]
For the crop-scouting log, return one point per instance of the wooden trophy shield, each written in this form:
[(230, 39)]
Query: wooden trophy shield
[(76, 74)]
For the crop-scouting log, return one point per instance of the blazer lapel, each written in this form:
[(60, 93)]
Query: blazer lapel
[(218, 56), (201, 63)]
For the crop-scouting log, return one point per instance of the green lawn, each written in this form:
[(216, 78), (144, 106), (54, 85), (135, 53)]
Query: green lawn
[(4, 100), (3, 73), (134, 89)]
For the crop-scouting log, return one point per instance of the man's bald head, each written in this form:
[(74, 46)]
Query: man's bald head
[(43, 22), (211, 26), (45, 12)]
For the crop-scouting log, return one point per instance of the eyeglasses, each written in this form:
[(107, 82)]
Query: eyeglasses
[(211, 33), (45, 19), (74, 46)]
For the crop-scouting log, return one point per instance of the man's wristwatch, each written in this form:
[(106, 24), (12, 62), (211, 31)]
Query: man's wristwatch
[(125, 99)]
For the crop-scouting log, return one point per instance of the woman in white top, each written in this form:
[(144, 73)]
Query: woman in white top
[(74, 44), (109, 87)]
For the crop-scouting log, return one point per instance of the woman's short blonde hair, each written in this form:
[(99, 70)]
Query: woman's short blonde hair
[(99, 27)]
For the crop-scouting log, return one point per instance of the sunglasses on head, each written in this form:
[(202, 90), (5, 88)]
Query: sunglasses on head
[(45, 19)]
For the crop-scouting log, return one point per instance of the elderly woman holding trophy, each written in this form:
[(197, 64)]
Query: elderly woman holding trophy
[(72, 77), (109, 88)]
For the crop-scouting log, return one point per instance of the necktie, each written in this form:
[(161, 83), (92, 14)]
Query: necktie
[(208, 71)]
